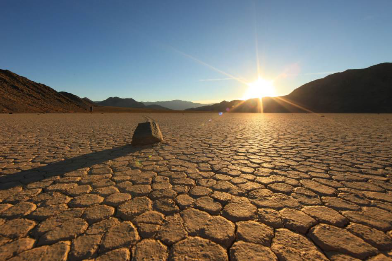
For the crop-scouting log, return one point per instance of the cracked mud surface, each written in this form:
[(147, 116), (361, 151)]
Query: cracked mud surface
[(230, 187)]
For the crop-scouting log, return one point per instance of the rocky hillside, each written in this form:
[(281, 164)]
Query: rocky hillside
[(356, 91), (19, 94), (82, 102)]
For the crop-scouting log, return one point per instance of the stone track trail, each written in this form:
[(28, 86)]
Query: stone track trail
[(230, 187)]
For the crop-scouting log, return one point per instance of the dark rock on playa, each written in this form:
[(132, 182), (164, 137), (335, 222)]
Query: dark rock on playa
[(147, 133)]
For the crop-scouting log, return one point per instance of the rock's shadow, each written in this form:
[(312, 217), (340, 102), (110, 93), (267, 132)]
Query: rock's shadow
[(59, 168)]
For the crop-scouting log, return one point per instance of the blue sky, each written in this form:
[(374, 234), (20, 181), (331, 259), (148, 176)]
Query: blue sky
[(190, 50)]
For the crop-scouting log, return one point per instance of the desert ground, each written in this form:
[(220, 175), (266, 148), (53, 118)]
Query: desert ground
[(229, 187)]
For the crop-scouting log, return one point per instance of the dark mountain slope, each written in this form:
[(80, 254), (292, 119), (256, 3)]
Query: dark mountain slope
[(360, 90), (19, 94), (81, 102), (366, 90), (89, 102)]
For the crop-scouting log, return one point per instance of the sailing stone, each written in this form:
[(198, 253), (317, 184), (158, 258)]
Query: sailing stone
[(147, 133)]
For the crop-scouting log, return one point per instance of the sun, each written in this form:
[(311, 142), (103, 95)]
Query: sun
[(259, 89)]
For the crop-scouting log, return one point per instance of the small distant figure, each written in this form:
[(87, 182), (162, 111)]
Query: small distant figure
[(91, 108)]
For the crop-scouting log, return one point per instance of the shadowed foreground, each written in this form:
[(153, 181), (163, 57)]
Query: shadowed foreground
[(236, 186)]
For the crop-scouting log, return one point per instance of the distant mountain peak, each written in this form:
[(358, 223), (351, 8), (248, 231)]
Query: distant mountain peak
[(176, 104), (121, 102), (128, 103)]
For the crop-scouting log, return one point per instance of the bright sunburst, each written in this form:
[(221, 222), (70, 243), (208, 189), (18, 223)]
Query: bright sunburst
[(259, 89)]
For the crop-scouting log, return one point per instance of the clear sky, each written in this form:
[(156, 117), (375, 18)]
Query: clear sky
[(190, 50)]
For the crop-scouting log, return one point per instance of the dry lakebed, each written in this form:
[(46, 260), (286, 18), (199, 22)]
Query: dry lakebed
[(220, 187)]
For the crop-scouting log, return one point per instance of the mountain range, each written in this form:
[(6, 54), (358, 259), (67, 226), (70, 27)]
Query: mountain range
[(176, 104), (366, 90), (19, 94), (159, 105), (127, 103)]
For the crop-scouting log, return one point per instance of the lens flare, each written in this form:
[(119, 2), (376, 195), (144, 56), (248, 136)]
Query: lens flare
[(259, 89)]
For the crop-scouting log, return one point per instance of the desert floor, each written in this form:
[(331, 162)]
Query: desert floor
[(230, 187)]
